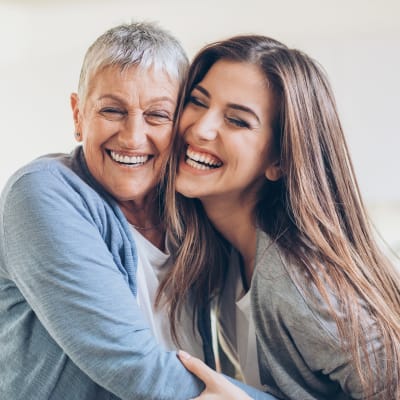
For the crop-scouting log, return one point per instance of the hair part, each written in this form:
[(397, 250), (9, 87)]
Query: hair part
[(141, 44), (314, 213)]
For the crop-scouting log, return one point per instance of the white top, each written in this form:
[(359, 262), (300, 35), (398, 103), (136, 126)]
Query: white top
[(236, 326), (153, 265)]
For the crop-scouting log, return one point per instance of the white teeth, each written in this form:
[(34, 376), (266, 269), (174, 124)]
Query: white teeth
[(196, 165), (128, 160), (205, 160)]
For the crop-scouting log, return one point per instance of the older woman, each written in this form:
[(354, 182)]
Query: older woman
[(69, 314), (70, 326)]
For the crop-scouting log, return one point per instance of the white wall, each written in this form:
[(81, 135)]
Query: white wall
[(357, 41)]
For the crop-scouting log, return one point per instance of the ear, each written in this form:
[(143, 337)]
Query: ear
[(74, 100), (273, 171)]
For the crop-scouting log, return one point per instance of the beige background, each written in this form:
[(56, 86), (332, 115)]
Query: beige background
[(357, 42)]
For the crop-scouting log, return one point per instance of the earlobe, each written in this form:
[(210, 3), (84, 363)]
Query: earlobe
[(273, 172), (74, 100)]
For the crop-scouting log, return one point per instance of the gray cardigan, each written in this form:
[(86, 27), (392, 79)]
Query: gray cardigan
[(299, 354)]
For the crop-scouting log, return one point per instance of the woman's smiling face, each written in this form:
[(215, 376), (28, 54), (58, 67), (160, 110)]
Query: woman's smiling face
[(227, 130), (126, 125)]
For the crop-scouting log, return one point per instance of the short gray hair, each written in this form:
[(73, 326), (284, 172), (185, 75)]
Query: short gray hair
[(142, 44)]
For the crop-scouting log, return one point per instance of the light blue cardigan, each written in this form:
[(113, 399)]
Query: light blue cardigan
[(70, 324), (70, 327)]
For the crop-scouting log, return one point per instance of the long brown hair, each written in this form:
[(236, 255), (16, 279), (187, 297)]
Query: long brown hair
[(314, 213)]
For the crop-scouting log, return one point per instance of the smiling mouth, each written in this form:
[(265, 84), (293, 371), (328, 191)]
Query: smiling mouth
[(131, 161), (202, 161)]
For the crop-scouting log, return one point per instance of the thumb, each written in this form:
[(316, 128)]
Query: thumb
[(196, 366)]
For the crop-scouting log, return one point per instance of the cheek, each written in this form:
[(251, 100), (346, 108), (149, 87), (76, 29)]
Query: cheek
[(164, 138), (186, 119), (98, 130), (161, 139)]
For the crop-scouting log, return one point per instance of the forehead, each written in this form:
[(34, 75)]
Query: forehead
[(133, 80), (238, 82)]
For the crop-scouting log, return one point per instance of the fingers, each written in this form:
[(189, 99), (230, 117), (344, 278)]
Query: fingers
[(196, 367), (217, 387)]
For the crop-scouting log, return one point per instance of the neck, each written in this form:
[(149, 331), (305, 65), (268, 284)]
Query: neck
[(237, 224), (145, 217), (155, 236)]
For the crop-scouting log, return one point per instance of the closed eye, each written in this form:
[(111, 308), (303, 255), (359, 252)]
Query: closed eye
[(113, 114), (157, 117), (239, 123), (196, 101)]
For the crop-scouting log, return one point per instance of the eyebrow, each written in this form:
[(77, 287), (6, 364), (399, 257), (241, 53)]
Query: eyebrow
[(153, 99), (234, 106)]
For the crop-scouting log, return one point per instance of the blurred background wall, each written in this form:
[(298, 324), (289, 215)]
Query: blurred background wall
[(356, 41)]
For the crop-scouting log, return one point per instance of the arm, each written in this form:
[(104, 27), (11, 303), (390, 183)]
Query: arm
[(56, 255)]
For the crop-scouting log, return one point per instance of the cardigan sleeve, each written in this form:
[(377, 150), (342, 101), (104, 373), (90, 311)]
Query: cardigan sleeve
[(54, 251)]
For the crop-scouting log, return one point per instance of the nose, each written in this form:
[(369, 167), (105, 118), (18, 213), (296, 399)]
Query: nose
[(206, 126), (133, 132)]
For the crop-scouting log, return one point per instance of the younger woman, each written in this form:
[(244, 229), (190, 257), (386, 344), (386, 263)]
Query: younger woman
[(271, 225)]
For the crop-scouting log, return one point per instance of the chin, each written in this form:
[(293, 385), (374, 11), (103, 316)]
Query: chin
[(188, 195), (187, 192)]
